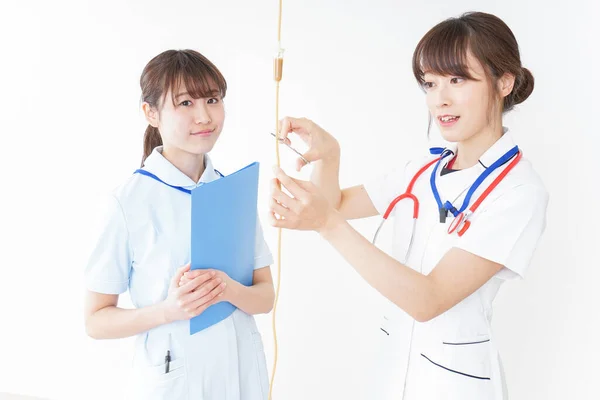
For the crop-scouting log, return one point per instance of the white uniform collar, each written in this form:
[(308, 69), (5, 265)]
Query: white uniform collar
[(497, 150), (455, 185), (168, 173)]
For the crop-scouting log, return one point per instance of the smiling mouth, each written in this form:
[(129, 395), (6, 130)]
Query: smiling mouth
[(448, 118), (205, 132)]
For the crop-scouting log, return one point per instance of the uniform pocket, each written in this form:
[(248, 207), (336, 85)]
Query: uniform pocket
[(151, 379), (158, 373), (468, 357), (154, 383), (466, 343), (445, 379), (455, 371)]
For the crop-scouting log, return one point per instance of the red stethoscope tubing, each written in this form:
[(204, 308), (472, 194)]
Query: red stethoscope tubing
[(406, 195)]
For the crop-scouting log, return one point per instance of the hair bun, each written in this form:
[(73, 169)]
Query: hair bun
[(523, 86)]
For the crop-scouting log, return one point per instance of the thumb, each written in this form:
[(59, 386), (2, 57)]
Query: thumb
[(178, 275), (310, 156), (300, 163)]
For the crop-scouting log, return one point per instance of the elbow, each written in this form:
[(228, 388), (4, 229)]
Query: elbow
[(427, 306), (426, 312), (423, 316), (270, 303), (268, 309), (91, 330)]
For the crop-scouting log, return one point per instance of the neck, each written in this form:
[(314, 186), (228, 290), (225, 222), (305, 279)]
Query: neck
[(192, 165), (470, 151)]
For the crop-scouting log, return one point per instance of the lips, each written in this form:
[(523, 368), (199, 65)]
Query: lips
[(205, 132)]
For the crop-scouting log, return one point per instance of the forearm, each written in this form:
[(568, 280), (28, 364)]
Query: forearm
[(113, 322), (326, 176), (410, 290), (255, 299)]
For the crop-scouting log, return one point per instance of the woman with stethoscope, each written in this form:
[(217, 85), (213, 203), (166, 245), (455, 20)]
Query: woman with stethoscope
[(466, 218)]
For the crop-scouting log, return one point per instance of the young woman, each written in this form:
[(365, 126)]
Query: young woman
[(465, 220), (145, 247)]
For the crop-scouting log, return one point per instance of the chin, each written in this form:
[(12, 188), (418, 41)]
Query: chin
[(450, 135), (201, 146), (454, 135), (199, 149)]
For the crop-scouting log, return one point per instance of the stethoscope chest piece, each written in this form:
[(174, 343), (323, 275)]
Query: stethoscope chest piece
[(460, 224)]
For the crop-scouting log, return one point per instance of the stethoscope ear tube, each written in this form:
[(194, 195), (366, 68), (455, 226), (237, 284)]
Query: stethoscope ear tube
[(412, 236), (377, 231)]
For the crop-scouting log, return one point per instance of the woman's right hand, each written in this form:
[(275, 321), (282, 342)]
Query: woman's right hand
[(321, 144), (190, 300)]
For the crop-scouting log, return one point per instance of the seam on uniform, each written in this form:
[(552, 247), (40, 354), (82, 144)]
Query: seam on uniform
[(131, 255), (257, 354)]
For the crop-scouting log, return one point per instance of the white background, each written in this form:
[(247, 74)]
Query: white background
[(72, 129)]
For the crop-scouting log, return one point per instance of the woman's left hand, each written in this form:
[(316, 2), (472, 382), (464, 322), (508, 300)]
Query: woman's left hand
[(307, 209), (225, 279)]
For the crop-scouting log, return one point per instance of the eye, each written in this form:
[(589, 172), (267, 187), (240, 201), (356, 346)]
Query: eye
[(213, 100), (185, 103), (457, 80), (427, 85)]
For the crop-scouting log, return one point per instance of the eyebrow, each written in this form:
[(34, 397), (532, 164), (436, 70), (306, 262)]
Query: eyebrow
[(181, 94), (213, 93)]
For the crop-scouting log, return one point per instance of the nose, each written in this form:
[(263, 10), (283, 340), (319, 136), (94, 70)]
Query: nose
[(202, 115), (442, 97)]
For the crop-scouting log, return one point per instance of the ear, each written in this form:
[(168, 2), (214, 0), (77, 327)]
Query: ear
[(506, 84), (151, 114)]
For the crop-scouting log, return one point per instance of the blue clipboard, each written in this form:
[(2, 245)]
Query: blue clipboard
[(224, 234)]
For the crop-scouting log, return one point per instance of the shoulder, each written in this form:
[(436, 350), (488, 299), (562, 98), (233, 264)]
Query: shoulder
[(132, 191), (522, 187), (525, 179)]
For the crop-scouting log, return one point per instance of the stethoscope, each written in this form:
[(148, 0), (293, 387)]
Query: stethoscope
[(461, 222), (156, 178)]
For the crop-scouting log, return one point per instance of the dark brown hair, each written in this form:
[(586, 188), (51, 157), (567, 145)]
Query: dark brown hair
[(173, 69), (443, 51)]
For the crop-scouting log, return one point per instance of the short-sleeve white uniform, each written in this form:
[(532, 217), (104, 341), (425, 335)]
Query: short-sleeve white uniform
[(454, 356), (144, 240)]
